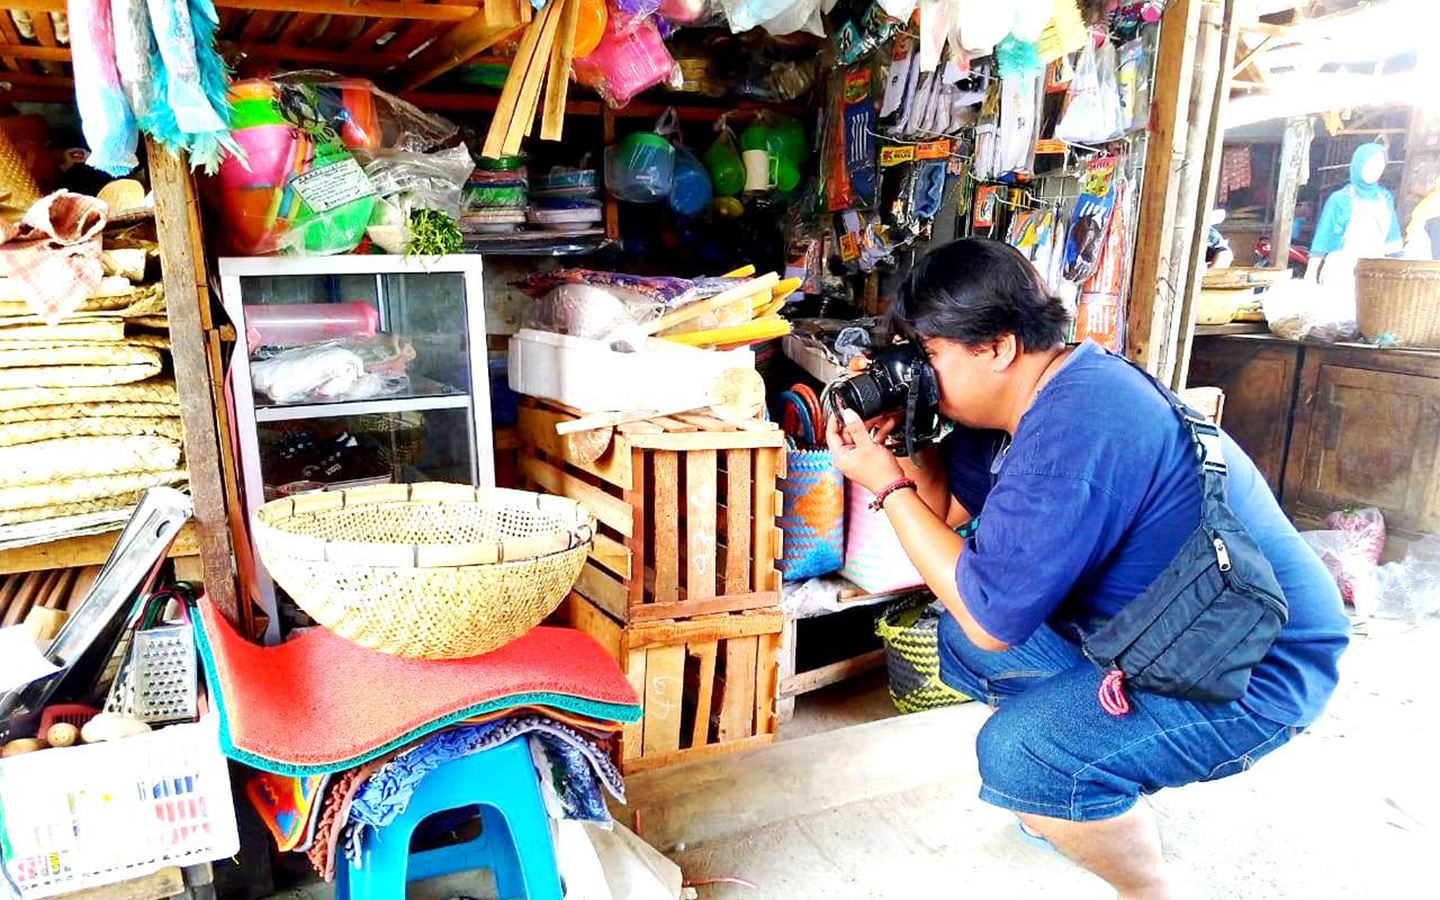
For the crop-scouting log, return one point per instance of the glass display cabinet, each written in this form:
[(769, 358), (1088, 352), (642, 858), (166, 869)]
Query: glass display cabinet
[(354, 370)]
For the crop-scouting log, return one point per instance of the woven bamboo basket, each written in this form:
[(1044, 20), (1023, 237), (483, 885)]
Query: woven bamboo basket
[(17, 185), (400, 436), (1398, 301), (435, 571)]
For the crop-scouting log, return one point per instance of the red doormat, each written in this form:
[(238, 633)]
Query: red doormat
[(318, 703)]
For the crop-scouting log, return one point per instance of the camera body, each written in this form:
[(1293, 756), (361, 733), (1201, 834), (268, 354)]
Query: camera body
[(899, 379)]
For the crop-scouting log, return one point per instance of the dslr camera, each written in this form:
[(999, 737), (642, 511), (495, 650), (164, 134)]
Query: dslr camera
[(899, 379)]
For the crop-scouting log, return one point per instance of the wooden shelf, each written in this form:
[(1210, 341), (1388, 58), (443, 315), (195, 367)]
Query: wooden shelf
[(88, 550), (1231, 328), (793, 683), (485, 101), (814, 679)]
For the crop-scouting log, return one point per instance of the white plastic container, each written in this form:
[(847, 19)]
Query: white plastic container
[(590, 377), (84, 816)]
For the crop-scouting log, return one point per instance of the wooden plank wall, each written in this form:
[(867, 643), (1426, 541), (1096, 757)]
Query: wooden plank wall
[(1197, 46), (1151, 296), (1218, 36), (187, 301)]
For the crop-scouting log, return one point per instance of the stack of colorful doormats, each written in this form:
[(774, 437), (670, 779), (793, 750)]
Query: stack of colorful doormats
[(343, 734)]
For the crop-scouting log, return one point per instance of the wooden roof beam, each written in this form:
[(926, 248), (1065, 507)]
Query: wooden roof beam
[(29, 51), (460, 44)]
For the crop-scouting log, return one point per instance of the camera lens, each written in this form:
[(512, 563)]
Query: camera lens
[(863, 395)]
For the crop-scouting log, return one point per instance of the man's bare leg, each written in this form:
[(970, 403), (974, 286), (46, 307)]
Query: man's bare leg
[(1125, 850)]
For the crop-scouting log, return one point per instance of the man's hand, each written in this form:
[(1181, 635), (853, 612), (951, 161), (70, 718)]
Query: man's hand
[(860, 457)]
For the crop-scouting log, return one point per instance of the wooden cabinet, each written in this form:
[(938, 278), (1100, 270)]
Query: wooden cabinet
[(1258, 378), (1334, 426), (1366, 432)]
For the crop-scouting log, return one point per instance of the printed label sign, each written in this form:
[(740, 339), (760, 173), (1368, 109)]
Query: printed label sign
[(334, 185)]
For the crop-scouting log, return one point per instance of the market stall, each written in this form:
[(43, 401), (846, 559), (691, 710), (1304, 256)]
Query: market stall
[(489, 315), (1324, 337)]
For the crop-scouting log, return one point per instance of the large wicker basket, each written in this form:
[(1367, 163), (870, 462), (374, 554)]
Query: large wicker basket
[(437, 571), (1397, 301)]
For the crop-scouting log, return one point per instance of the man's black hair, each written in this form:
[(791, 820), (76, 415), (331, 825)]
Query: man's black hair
[(974, 291)]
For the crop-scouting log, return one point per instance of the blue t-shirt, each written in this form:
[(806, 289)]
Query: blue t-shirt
[(1090, 503)]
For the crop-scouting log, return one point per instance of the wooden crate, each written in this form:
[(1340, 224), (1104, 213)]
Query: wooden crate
[(687, 509), (708, 685)]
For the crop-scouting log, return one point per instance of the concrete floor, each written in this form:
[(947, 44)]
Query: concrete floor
[(889, 809), (855, 803)]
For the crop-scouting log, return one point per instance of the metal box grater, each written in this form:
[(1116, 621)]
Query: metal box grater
[(163, 674)]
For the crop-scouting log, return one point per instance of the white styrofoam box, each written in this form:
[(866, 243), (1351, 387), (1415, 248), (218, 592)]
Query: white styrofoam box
[(806, 353), (591, 377)]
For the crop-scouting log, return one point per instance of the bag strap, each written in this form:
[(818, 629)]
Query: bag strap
[(1204, 440)]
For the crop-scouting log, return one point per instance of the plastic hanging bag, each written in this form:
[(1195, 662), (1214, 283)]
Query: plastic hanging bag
[(803, 15), (640, 167), (424, 180), (813, 516), (744, 15), (627, 62), (406, 181), (1094, 115), (1410, 590), (299, 186), (364, 117)]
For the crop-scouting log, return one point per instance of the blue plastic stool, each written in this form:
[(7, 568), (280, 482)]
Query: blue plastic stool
[(514, 839)]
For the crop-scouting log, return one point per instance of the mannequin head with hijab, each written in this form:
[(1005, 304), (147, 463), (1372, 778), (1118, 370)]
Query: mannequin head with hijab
[(1367, 167)]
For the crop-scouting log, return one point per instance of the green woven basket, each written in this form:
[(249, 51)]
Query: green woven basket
[(910, 630)]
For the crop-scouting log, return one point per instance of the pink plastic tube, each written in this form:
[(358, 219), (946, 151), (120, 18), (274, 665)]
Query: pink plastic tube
[(286, 325)]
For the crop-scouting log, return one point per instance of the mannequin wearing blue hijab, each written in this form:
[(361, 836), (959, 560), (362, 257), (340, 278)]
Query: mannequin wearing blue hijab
[(1359, 221)]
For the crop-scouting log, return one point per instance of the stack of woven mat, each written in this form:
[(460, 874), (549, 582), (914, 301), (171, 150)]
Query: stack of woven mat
[(89, 417)]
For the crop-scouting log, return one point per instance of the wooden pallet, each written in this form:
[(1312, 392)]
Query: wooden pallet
[(687, 507), (708, 685)]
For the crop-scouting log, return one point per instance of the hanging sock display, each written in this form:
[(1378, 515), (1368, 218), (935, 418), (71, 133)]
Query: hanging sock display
[(192, 114), (105, 117)]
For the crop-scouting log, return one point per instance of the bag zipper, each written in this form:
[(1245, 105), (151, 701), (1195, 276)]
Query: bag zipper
[(1222, 555)]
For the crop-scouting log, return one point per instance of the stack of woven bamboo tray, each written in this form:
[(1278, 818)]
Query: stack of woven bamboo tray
[(89, 416)]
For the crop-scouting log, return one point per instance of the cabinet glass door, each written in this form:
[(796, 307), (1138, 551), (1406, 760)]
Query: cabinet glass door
[(359, 378)]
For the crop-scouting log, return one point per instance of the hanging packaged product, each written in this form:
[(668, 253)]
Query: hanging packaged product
[(1065, 33), (690, 190), (1100, 312), (857, 27), (987, 135), (1092, 215), (1133, 79), (640, 168), (863, 240), (722, 161), (1093, 115), (850, 152)]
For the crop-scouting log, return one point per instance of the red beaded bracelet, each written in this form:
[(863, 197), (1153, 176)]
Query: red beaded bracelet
[(879, 502)]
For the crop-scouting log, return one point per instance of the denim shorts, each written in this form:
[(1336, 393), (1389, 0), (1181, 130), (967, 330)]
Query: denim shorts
[(1051, 750)]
